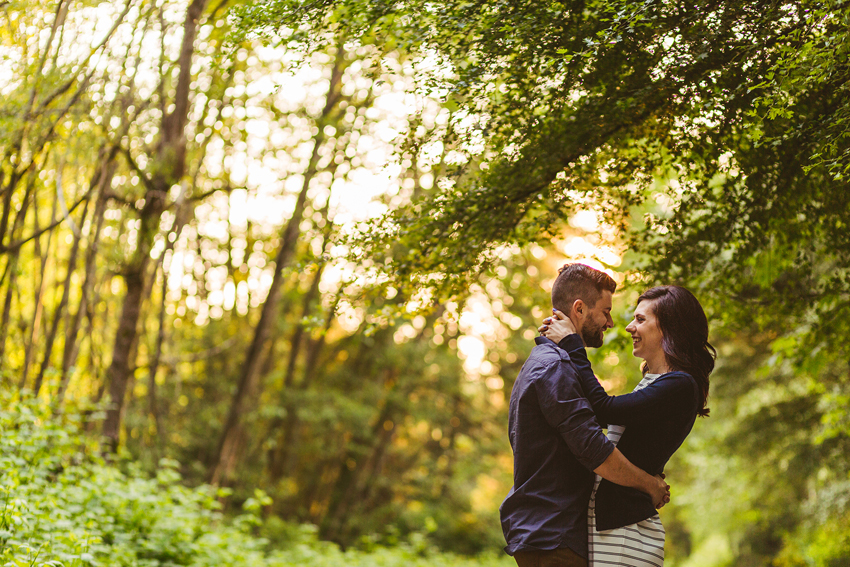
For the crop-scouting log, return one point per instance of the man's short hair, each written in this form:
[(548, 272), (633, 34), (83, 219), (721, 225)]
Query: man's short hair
[(579, 281)]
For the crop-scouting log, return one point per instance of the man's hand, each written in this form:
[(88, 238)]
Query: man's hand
[(660, 493), (557, 326), (617, 469)]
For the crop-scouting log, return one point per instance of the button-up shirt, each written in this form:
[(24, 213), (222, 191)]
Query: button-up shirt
[(556, 443)]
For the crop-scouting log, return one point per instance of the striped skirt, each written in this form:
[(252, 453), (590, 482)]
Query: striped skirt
[(637, 545)]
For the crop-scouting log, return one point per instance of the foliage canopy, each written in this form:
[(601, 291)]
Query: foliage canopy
[(714, 136)]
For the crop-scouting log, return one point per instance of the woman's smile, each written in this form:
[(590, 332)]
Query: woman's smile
[(647, 336)]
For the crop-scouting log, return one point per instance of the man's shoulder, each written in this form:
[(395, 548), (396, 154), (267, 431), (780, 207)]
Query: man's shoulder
[(545, 356)]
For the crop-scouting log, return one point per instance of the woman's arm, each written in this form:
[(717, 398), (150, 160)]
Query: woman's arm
[(667, 395)]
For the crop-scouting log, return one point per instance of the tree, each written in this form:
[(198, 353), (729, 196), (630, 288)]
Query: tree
[(230, 439), (167, 168), (712, 135), (566, 90)]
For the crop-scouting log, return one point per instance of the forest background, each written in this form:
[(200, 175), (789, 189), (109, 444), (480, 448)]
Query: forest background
[(269, 270)]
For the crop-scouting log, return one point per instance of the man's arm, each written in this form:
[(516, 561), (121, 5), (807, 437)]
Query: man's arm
[(619, 470), (567, 410)]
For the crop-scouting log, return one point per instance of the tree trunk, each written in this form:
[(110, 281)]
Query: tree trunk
[(11, 268), (153, 404), (39, 300), (180, 220), (168, 168), (7, 206), (285, 459), (349, 482), (119, 370), (69, 354), (279, 456), (354, 483), (66, 291), (228, 445)]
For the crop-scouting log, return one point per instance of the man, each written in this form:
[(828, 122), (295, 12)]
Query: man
[(556, 440)]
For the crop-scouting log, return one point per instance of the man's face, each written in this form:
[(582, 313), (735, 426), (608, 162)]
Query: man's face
[(597, 320)]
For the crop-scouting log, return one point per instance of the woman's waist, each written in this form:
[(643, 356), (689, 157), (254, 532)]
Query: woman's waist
[(647, 450)]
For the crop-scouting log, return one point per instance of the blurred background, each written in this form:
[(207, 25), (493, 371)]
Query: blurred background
[(197, 265)]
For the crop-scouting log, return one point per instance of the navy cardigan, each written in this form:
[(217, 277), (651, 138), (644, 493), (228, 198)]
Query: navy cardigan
[(657, 419)]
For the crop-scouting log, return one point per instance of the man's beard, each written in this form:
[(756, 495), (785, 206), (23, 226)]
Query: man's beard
[(591, 334)]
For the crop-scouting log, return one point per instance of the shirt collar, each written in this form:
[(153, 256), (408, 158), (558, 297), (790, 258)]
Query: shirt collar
[(549, 343)]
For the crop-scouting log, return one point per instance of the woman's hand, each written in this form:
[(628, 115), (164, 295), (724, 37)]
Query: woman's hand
[(557, 326)]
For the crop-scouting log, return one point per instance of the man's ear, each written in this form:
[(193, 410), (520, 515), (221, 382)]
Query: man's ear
[(578, 307), (578, 312)]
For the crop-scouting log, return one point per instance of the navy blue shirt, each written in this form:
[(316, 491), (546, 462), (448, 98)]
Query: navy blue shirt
[(557, 443)]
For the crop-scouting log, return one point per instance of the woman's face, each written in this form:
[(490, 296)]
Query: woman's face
[(646, 334)]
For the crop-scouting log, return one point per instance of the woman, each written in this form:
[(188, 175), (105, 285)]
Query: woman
[(670, 333)]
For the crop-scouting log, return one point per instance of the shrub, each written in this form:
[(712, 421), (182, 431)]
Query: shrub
[(63, 504)]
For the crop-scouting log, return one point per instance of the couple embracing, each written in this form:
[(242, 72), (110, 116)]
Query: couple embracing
[(558, 512)]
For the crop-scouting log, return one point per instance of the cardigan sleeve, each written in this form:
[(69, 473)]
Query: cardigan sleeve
[(668, 395)]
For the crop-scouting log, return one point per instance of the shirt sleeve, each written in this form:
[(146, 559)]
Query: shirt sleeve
[(566, 409), (666, 396)]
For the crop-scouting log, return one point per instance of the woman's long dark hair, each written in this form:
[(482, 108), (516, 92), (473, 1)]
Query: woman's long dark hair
[(685, 334)]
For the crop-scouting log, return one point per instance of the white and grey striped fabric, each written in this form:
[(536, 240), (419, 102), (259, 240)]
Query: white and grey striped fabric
[(637, 545)]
